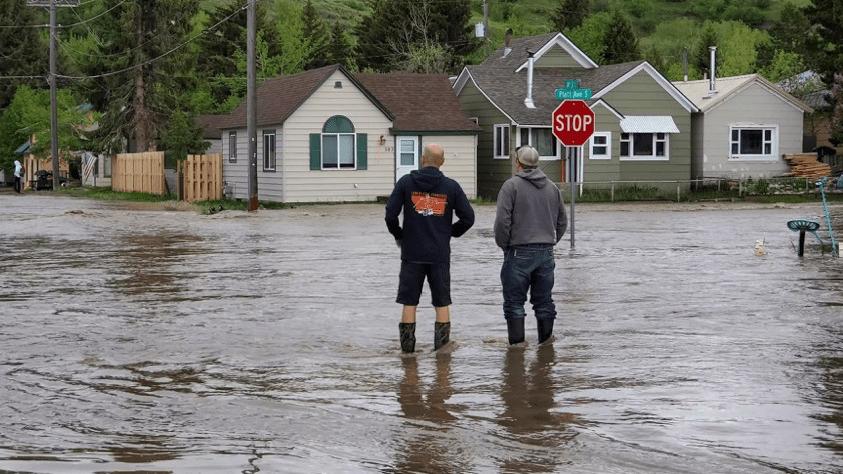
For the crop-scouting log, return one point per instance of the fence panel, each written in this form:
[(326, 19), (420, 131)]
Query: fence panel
[(203, 177), (139, 172)]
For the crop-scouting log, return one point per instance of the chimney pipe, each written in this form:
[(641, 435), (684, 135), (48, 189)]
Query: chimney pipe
[(507, 42), (529, 100), (712, 84)]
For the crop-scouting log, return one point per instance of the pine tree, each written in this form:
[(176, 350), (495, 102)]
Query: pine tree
[(316, 37), (339, 50), (621, 42), (22, 51), (790, 32), (701, 57), (135, 36), (183, 136), (570, 14)]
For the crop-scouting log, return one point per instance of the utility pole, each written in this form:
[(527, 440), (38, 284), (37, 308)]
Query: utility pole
[(486, 20), (252, 105), (54, 120)]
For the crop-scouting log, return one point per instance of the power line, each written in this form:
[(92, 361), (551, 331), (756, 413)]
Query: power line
[(82, 22), (93, 17), (150, 61)]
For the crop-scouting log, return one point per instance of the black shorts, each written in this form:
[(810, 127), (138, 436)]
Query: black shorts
[(411, 281)]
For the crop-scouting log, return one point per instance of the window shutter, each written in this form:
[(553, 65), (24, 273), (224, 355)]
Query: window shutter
[(362, 146), (315, 151)]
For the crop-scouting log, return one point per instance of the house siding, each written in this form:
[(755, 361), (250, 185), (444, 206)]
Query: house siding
[(491, 173), (757, 105), (602, 171), (304, 185), (697, 145), (460, 159), (556, 57), (642, 95), (236, 175)]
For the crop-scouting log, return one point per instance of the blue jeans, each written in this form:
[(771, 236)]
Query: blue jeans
[(528, 267)]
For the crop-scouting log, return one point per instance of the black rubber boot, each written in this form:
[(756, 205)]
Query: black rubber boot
[(407, 332), (441, 334), (515, 328), (545, 328)]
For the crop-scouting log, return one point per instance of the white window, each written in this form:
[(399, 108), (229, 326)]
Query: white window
[(757, 142), (338, 144), (601, 146), (232, 147), (645, 146), (501, 142), (269, 150), (540, 138)]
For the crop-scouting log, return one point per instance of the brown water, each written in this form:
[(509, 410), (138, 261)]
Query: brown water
[(166, 341)]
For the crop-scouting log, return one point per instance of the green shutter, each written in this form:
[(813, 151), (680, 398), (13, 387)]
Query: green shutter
[(315, 151), (362, 155)]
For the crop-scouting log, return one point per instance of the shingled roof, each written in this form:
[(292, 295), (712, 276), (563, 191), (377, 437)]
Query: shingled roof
[(278, 98), (508, 89), (420, 102), (518, 55), (211, 125)]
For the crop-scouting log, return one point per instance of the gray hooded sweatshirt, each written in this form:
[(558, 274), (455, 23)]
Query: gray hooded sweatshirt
[(530, 211)]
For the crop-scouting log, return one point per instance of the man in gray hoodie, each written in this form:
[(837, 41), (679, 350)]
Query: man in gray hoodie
[(530, 220)]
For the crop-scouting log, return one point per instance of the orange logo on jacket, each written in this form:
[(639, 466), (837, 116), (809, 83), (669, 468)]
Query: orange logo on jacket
[(430, 204)]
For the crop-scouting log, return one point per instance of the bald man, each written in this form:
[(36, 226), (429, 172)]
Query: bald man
[(429, 200)]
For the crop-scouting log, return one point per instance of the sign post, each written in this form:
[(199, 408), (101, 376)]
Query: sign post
[(573, 125)]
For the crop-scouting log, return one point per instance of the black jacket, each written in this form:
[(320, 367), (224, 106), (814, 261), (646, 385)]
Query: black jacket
[(429, 200)]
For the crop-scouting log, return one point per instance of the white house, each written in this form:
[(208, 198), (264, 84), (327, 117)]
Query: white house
[(328, 135), (745, 125)]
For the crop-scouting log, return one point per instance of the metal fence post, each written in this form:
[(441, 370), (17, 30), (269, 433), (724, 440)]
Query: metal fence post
[(612, 192), (678, 192)]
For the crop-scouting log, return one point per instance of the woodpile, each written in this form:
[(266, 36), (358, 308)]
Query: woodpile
[(805, 165)]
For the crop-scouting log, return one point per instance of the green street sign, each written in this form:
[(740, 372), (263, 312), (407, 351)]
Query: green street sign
[(572, 91)]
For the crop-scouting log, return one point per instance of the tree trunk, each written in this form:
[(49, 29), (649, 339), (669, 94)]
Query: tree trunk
[(142, 122)]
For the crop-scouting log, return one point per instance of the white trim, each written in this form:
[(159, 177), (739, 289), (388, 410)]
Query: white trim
[(495, 132), (461, 80), (322, 151), (274, 136), (668, 86), (769, 87), (558, 145), (230, 143), (569, 47), (512, 121), (774, 142), (416, 156), (608, 145), (653, 157), (607, 107)]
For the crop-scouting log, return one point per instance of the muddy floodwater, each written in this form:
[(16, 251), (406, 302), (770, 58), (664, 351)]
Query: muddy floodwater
[(147, 340)]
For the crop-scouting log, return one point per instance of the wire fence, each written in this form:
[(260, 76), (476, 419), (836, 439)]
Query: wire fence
[(697, 189)]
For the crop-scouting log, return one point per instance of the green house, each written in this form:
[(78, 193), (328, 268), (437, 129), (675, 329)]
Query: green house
[(642, 121)]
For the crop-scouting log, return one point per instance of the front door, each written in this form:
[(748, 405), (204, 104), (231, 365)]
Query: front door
[(406, 156)]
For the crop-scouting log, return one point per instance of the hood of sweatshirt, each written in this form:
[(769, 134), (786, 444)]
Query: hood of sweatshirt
[(536, 177), (427, 178), (17, 163)]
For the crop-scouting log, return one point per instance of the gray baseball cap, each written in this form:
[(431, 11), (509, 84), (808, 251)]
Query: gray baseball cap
[(527, 156)]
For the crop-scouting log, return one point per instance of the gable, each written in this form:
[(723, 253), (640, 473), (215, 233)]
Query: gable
[(556, 57), (349, 100), (646, 76), (762, 92), (641, 94), (562, 42)]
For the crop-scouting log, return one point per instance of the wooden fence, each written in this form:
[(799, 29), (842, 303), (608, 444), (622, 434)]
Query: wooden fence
[(139, 172), (202, 177)]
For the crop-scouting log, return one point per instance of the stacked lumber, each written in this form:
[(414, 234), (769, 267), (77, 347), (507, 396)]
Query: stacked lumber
[(805, 165)]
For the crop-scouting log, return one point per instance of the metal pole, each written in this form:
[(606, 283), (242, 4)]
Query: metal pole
[(54, 120), (486, 20), (252, 105), (573, 176)]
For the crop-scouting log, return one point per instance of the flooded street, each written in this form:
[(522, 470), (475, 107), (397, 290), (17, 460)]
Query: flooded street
[(152, 340)]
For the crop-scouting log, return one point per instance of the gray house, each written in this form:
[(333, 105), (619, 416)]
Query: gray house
[(330, 135), (744, 127), (642, 121)]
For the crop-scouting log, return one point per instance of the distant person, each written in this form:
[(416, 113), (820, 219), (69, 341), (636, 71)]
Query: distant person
[(429, 200), (530, 220), (18, 177)]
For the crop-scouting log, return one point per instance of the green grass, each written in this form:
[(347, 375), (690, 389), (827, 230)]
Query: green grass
[(106, 194)]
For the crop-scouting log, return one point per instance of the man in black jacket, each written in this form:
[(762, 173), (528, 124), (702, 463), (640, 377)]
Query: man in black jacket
[(429, 200)]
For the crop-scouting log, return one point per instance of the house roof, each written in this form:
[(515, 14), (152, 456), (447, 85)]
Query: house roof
[(818, 100), (278, 98), (507, 89), (419, 102), (519, 51), (728, 87), (211, 125)]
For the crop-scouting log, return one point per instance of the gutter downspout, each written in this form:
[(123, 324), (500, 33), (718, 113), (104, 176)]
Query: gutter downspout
[(528, 102)]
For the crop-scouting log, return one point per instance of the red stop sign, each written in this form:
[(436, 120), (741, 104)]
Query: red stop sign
[(573, 122)]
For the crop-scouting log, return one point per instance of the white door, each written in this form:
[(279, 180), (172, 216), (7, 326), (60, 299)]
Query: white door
[(406, 156)]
